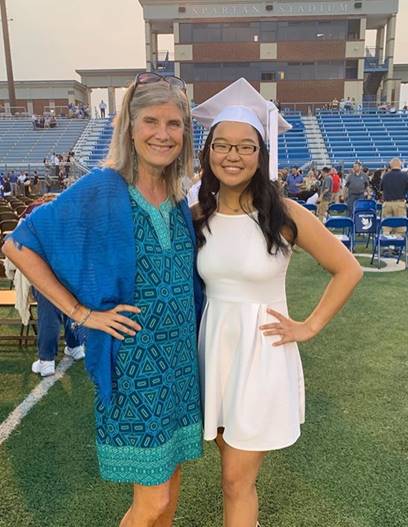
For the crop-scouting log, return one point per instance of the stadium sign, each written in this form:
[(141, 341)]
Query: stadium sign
[(232, 10), (314, 8), (170, 10), (290, 8)]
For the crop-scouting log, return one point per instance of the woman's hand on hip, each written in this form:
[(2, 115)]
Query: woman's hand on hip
[(111, 321), (287, 329)]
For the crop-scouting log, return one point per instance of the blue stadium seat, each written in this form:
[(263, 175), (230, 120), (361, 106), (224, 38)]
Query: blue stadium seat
[(371, 138)]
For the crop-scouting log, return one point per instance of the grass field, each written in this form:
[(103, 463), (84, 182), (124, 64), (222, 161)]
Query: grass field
[(349, 468)]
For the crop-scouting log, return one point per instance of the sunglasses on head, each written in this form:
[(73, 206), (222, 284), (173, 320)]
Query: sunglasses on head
[(151, 78)]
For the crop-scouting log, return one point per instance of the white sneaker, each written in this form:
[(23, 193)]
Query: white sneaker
[(76, 353), (43, 367)]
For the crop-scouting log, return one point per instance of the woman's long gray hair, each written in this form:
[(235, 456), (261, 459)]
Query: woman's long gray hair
[(122, 155)]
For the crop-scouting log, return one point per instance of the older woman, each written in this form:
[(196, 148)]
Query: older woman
[(115, 252)]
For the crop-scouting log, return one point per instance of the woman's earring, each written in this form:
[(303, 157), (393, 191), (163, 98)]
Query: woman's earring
[(134, 160), (179, 166)]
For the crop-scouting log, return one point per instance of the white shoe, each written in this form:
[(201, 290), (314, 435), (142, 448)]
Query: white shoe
[(43, 367), (76, 353)]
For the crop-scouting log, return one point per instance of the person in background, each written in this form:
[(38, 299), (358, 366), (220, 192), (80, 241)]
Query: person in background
[(35, 183), (27, 184), (326, 194), (14, 183), (337, 190), (102, 108), (53, 121), (294, 182), (6, 186), (375, 182), (49, 317), (49, 323), (394, 185), (21, 184), (310, 186), (356, 186)]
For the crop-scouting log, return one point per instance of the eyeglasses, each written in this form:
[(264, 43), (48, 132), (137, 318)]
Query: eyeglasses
[(242, 150), (151, 78)]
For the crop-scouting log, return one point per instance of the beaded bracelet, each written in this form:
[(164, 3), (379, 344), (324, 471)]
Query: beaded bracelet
[(76, 325)]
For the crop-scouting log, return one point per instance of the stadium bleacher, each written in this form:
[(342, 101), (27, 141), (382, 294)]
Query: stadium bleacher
[(99, 142), (372, 138), (293, 149), (20, 145)]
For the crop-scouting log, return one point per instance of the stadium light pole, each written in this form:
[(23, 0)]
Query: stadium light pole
[(7, 54)]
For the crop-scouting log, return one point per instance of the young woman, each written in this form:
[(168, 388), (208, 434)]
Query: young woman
[(115, 252), (250, 365)]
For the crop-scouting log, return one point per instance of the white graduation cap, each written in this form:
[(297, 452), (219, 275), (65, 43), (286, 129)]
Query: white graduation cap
[(240, 102)]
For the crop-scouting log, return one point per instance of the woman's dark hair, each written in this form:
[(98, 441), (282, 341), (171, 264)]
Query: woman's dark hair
[(266, 199)]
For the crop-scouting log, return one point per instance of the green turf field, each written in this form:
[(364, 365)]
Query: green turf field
[(349, 469)]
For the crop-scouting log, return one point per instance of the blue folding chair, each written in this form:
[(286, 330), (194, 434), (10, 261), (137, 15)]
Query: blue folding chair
[(379, 210), (394, 240), (310, 206), (364, 204), (337, 209), (343, 224), (365, 220)]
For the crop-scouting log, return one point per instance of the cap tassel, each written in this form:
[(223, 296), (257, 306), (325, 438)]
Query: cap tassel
[(273, 143)]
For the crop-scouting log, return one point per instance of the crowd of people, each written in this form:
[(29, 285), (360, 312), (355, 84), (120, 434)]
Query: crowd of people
[(58, 175), (344, 105), (46, 120), (79, 111), (17, 183), (58, 167), (331, 185), (350, 105)]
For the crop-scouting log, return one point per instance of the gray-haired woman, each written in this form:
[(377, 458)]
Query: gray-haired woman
[(116, 253)]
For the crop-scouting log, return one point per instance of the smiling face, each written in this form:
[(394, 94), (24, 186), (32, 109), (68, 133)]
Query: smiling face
[(158, 135), (234, 170)]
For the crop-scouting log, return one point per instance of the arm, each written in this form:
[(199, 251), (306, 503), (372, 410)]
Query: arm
[(331, 254), (366, 187), (346, 187), (42, 277), (366, 182)]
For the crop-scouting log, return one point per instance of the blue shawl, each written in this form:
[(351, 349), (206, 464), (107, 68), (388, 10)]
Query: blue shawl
[(86, 237)]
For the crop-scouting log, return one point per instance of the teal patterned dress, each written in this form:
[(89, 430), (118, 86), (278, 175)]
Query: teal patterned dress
[(154, 421)]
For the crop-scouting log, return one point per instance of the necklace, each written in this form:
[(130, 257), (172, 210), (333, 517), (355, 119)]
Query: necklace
[(239, 209)]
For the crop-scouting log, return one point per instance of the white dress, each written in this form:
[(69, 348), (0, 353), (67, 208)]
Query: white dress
[(252, 389)]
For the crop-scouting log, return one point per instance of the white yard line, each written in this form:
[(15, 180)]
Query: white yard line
[(17, 415)]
